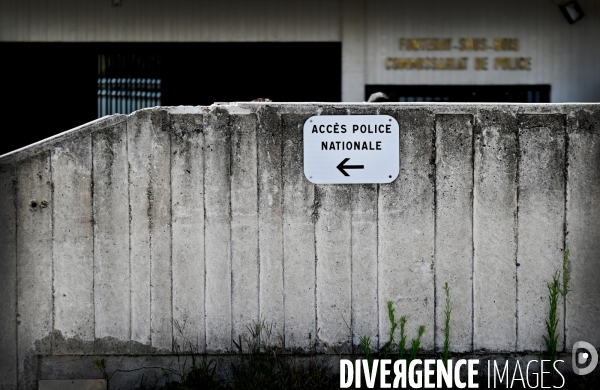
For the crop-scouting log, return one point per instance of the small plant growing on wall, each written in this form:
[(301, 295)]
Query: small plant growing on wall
[(415, 344), (556, 290), (402, 345), (393, 325)]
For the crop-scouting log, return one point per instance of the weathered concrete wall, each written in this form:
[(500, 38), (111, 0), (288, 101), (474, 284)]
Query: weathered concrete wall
[(136, 235)]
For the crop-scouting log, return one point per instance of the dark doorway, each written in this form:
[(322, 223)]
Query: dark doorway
[(48, 88), (464, 93), (225, 72)]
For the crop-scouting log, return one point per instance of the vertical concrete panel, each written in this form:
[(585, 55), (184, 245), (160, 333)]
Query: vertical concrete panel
[(270, 219), (494, 231), (161, 316), (34, 264), (244, 225), (139, 154), (217, 233), (333, 249), (187, 181), (364, 263), (8, 279), (541, 222), (300, 211), (150, 192), (583, 227), (333, 240), (364, 266), (112, 303), (406, 230), (454, 228), (73, 244)]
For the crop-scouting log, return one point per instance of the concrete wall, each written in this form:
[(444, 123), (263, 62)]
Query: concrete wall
[(133, 234)]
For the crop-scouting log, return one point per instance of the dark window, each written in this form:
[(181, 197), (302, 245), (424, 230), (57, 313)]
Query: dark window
[(128, 82)]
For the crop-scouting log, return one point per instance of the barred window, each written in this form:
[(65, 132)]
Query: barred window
[(127, 83)]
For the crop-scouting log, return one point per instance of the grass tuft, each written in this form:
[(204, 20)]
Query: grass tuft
[(556, 290), (393, 325), (416, 344), (551, 338), (365, 342), (402, 344)]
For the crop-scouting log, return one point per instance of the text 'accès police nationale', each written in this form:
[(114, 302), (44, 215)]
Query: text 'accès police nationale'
[(350, 144)]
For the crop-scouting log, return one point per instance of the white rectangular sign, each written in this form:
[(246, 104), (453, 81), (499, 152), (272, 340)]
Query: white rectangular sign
[(351, 149)]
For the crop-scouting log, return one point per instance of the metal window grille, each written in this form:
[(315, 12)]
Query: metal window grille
[(127, 83)]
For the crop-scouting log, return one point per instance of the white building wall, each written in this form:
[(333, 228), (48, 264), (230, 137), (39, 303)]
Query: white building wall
[(565, 56)]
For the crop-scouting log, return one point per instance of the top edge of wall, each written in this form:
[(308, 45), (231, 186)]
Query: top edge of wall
[(86, 128), (236, 108), (454, 104)]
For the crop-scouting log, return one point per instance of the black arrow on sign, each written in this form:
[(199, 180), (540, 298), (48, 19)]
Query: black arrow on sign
[(343, 167)]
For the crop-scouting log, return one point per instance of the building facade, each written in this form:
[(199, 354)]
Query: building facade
[(384, 42), (311, 50)]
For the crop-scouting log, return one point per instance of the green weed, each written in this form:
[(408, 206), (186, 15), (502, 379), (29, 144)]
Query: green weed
[(551, 339), (555, 291), (365, 342), (416, 344), (393, 325), (402, 344)]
